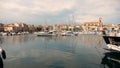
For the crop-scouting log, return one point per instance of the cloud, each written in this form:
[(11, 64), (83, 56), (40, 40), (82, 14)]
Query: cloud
[(38, 6), (49, 6), (86, 18), (91, 10), (83, 10), (26, 10)]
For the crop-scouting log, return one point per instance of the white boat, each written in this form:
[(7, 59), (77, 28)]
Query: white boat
[(113, 42), (118, 34), (36, 33), (113, 47), (3, 34), (67, 33), (50, 33)]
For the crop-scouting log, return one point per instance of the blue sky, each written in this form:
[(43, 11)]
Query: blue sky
[(59, 11)]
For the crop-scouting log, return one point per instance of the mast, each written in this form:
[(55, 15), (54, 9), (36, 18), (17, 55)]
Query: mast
[(45, 25), (72, 21)]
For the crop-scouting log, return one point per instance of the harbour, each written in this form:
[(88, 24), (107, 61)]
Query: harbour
[(28, 51), (59, 34)]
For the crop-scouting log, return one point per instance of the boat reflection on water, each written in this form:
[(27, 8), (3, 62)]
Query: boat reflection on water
[(111, 60)]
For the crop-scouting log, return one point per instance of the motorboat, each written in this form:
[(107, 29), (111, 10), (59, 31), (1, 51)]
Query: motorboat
[(50, 33), (113, 42), (68, 33), (3, 33)]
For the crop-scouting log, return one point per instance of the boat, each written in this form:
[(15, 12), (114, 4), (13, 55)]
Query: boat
[(3, 33), (118, 34), (50, 33), (113, 42), (68, 33)]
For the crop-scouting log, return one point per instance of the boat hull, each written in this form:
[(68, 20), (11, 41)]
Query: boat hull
[(113, 47), (46, 35), (113, 42)]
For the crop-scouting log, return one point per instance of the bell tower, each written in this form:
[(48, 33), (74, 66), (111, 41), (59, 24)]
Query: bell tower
[(100, 22)]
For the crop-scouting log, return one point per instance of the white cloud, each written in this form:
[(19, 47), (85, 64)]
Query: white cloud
[(54, 5), (86, 18), (84, 10), (38, 6), (17, 10), (91, 10)]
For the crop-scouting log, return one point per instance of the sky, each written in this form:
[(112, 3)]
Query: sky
[(40, 12)]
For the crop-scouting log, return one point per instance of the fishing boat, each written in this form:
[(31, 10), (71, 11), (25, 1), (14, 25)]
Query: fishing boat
[(113, 42)]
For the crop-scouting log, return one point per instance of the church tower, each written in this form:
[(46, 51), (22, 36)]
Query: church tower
[(100, 22)]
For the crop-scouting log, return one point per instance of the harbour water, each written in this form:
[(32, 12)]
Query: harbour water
[(30, 51)]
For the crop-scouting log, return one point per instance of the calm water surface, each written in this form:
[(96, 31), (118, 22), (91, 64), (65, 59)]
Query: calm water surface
[(30, 51)]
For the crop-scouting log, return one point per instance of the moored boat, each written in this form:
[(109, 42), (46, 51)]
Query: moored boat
[(113, 42), (50, 33), (68, 33)]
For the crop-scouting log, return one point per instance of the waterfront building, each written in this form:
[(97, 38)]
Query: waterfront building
[(93, 26), (119, 27), (112, 27), (70, 27), (31, 28), (16, 27), (38, 28), (9, 28), (1, 27), (61, 27), (24, 27), (50, 27), (78, 28), (64, 27)]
